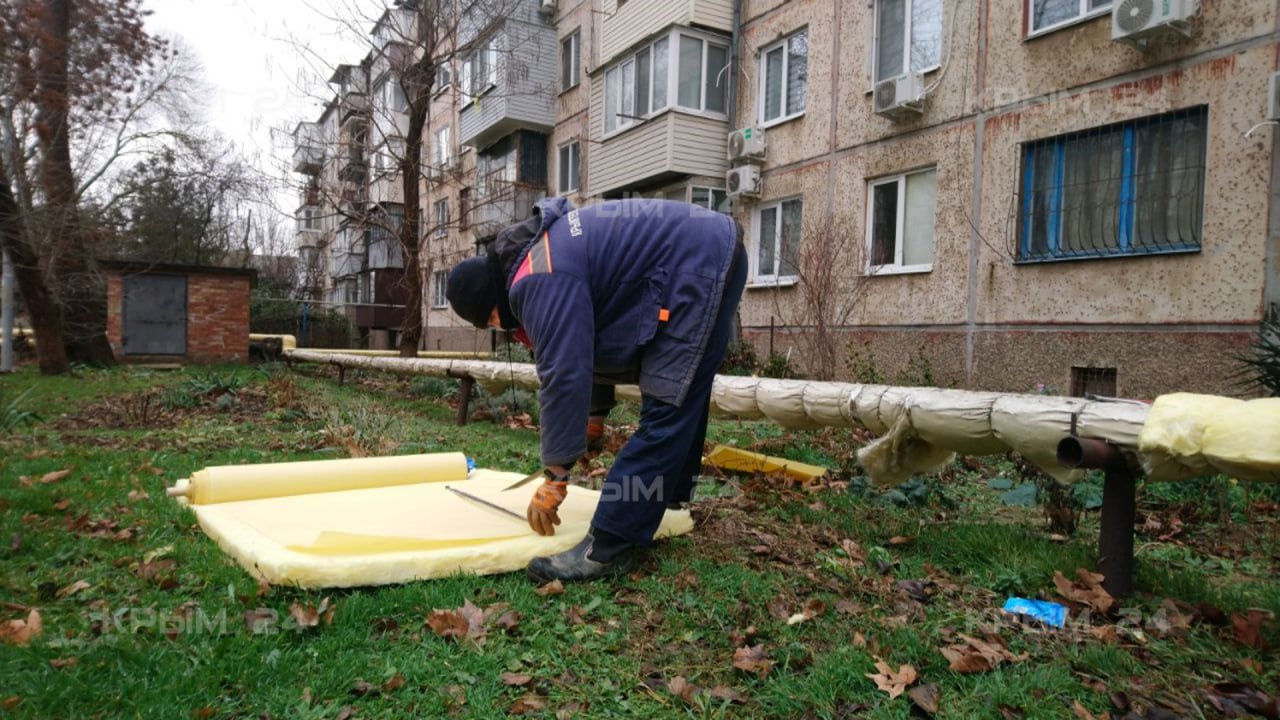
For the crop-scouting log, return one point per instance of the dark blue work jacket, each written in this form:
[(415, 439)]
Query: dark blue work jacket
[(617, 292)]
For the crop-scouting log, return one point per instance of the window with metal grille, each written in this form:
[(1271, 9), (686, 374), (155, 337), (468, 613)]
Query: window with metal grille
[(1129, 189), (1095, 381)]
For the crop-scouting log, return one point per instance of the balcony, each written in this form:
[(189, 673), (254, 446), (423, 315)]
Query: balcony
[(625, 24), (352, 167), (308, 150), (503, 204), (513, 95), (666, 147)]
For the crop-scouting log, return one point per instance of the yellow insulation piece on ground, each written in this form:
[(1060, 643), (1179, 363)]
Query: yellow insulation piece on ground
[(727, 458), (1188, 434), (330, 524)]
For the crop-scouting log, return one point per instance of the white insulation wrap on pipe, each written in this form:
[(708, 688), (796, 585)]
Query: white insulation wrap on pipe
[(920, 428)]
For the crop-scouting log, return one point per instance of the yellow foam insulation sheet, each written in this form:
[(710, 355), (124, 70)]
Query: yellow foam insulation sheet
[(728, 458), (377, 521)]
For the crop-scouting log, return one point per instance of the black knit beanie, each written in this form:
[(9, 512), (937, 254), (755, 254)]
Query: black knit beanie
[(472, 291)]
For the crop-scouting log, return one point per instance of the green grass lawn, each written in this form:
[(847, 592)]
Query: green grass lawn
[(809, 587)]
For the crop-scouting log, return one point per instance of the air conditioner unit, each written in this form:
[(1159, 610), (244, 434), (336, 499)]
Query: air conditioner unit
[(1273, 98), (547, 7), (1134, 21), (743, 181), (747, 144), (900, 97)]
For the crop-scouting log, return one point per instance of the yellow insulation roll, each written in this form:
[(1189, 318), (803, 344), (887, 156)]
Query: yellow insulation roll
[(229, 483)]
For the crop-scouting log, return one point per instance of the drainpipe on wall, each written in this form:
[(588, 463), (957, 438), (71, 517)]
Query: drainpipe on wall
[(6, 315), (1271, 266), (734, 39)]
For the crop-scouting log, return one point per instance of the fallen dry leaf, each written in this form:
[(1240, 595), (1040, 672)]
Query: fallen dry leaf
[(574, 615), (59, 663), (204, 713), (22, 632), (754, 659), (724, 693), (900, 540), (551, 589), (395, 683), (974, 655), (515, 679), (138, 495), (894, 683), (470, 623), (925, 697), (54, 476), (62, 505), (1082, 712), (11, 702), (1105, 633), (1240, 700), (385, 626), (1248, 628), (855, 556), (528, 704), (1087, 590), (346, 713), (155, 570), (682, 689), (73, 588), (260, 620), (362, 688)]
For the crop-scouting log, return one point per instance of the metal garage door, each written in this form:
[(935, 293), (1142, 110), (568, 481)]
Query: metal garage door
[(155, 314)]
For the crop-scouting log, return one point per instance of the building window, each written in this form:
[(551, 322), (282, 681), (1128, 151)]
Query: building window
[(392, 95), (386, 159), (441, 283), (710, 198), (444, 75), (641, 84), (441, 212), (908, 37), (1093, 382), (900, 219), (1127, 189), (784, 78), (1045, 15), (480, 69), (309, 218), (570, 163), (464, 208), (442, 148), (570, 60), (777, 240)]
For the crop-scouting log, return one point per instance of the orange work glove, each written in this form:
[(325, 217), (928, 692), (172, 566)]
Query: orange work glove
[(595, 433), (542, 512)]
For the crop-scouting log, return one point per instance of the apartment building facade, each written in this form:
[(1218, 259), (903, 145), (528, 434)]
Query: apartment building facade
[(1008, 196), (1039, 205)]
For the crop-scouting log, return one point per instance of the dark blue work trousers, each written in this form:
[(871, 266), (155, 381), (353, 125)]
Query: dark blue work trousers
[(658, 465)]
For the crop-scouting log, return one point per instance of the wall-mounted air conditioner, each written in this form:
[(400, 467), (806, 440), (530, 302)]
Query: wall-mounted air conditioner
[(1136, 21), (743, 181), (899, 98), (547, 7), (747, 144)]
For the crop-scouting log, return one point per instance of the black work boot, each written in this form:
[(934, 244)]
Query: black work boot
[(599, 554)]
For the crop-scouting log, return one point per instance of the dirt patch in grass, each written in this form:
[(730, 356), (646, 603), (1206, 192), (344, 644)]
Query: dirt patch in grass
[(150, 409)]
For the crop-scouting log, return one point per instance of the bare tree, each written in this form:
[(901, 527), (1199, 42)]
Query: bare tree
[(829, 264)]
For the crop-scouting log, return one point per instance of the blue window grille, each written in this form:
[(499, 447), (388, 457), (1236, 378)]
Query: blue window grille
[(1134, 188)]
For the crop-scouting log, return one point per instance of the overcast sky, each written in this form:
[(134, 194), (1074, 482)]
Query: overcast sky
[(263, 61)]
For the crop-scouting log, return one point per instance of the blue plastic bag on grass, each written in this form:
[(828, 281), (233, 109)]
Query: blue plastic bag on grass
[(1049, 613)]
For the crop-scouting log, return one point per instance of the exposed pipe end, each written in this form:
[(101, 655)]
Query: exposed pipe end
[(1070, 452)]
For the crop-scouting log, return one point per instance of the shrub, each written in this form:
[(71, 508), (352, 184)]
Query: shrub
[(1262, 362)]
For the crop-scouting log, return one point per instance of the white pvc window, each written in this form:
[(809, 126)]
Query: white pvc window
[(784, 78), (570, 60), (908, 37), (778, 226), (1046, 15), (900, 223), (441, 283), (441, 212), (569, 167), (680, 69), (442, 148)]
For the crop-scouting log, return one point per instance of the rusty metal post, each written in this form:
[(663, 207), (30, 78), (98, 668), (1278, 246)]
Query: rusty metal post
[(1119, 506), (466, 386)]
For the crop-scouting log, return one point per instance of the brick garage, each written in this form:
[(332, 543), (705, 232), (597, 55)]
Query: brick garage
[(183, 313)]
